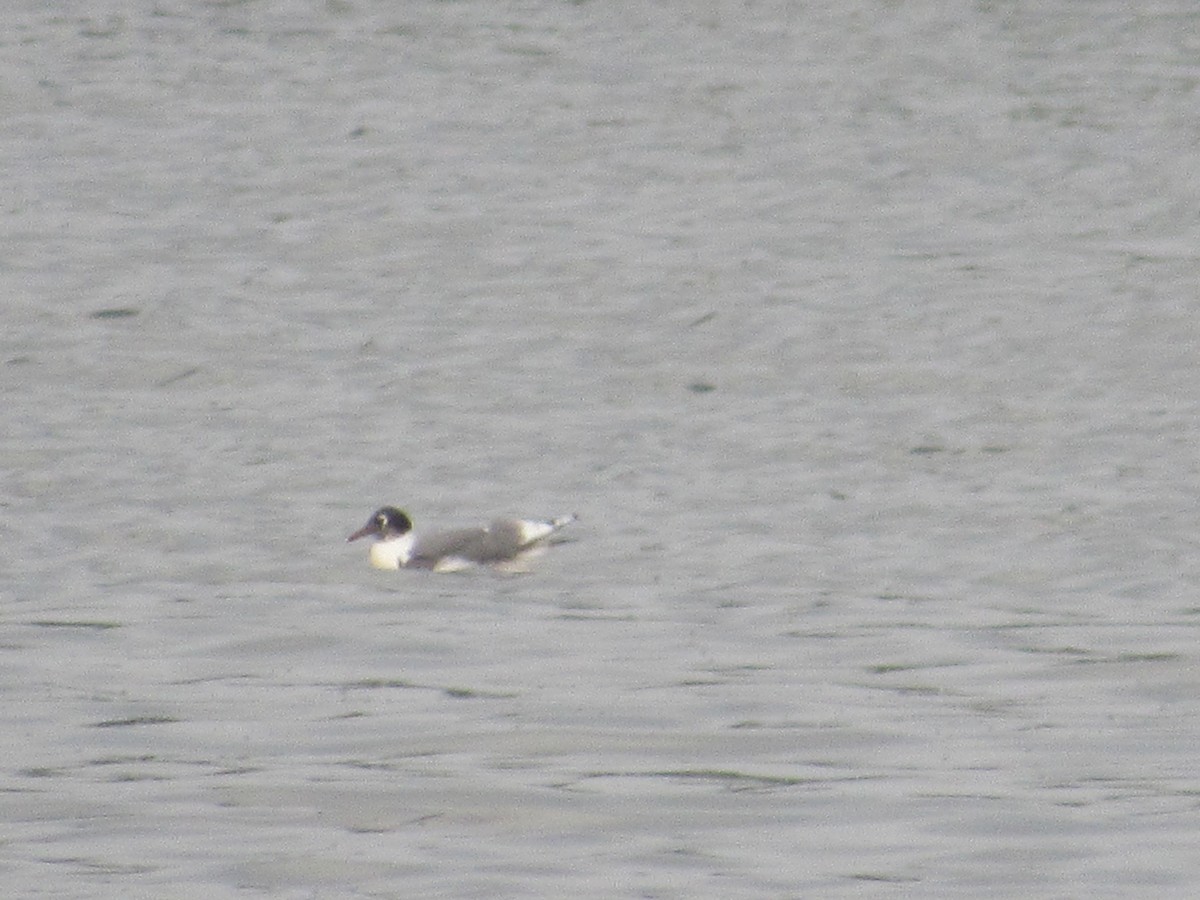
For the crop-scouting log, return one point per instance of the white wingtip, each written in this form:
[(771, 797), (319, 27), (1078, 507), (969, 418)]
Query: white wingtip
[(532, 530)]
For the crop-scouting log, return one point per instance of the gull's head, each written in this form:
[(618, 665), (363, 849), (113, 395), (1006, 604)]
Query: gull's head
[(385, 523)]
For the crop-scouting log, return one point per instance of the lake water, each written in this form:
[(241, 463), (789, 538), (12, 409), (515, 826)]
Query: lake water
[(863, 338)]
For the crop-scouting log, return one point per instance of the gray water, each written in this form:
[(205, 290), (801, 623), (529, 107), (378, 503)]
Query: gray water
[(862, 337)]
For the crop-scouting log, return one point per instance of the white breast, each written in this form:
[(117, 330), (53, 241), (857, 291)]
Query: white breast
[(393, 553)]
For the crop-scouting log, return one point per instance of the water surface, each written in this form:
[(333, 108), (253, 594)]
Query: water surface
[(862, 337)]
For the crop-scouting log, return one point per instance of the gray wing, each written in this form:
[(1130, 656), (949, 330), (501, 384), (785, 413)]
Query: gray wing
[(461, 542), (503, 540)]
